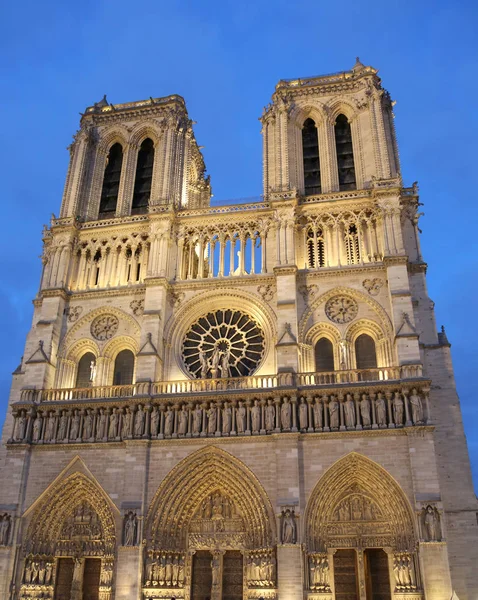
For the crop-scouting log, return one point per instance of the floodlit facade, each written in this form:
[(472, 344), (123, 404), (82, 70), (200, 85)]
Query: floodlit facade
[(243, 401)]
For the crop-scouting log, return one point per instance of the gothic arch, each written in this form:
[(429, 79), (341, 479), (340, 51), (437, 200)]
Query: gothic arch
[(356, 476), (113, 135), (303, 111), (382, 342), (190, 482), (317, 331), (145, 130), (117, 344), (341, 106), (76, 351)]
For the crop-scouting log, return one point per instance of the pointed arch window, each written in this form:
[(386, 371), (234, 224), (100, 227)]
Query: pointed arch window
[(111, 181), (83, 374), (315, 248), (310, 152), (365, 353), (124, 368), (345, 154), (352, 244), (144, 177), (324, 356)]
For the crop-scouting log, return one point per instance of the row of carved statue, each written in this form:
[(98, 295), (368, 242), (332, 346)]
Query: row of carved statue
[(274, 415), (164, 569)]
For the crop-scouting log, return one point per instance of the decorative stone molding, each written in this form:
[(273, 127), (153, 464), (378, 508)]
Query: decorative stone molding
[(373, 286), (341, 309), (137, 307)]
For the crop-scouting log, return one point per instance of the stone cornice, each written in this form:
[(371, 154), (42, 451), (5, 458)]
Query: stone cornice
[(138, 289), (343, 271)]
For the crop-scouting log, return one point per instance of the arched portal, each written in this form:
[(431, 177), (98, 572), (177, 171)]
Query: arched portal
[(359, 530), (70, 543), (210, 519)]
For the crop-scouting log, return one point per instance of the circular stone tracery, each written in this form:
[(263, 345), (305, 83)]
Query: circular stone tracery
[(223, 343), (104, 327), (341, 309)]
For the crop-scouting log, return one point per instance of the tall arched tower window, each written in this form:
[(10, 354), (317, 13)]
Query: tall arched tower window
[(365, 354), (324, 356), (345, 154), (111, 181), (124, 368), (315, 248), (352, 244), (83, 374), (310, 152), (144, 177)]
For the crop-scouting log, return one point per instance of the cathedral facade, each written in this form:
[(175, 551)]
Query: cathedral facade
[(248, 401)]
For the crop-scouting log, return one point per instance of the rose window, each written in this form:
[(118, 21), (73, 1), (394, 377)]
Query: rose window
[(224, 343), (341, 309)]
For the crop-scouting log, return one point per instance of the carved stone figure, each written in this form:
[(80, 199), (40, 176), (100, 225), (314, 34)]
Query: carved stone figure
[(288, 528), (241, 418), (197, 420), (349, 410), (168, 422), (183, 421), (130, 524), (215, 359), (88, 425), (225, 369), (41, 572), (75, 426), (211, 419), (303, 409), (397, 409), (92, 371), (334, 415), (381, 410), (126, 426), (20, 430), (204, 363), (270, 415), (285, 414), (256, 417), (50, 427), (37, 425), (365, 411), (417, 407), (215, 565), (139, 419), (226, 418), (154, 421), (62, 427), (48, 572), (430, 521), (113, 424), (5, 522), (101, 428)]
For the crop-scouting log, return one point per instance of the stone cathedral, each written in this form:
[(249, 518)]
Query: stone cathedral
[(248, 401)]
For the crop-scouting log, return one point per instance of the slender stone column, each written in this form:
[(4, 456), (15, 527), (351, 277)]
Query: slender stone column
[(77, 583)]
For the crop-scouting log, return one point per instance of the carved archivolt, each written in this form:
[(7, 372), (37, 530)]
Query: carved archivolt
[(58, 515), (358, 504), (186, 490)]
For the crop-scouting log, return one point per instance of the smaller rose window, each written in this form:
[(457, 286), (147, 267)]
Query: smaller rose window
[(223, 343), (341, 309), (104, 327)]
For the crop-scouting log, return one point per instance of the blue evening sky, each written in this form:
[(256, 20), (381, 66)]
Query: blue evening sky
[(225, 57)]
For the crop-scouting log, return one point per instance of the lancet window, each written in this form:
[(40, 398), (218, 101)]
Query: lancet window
[(365, 353), (111, 181), (144, 177), (345, 154), (310, 152), (124, 368), (324, 356), (83, 376), (352, 244), (315, 248)]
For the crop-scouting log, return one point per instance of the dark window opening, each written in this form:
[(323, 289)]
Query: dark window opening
[(124, 368), (138, 272), (111, 182), (83, 375), (345, 154), (324, 356), (365, 355), (315, 249), (310, 151), (144, 178)]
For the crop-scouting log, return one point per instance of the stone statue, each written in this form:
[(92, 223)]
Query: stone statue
[(430, 520), (417, 407), (256, 417), (88, 425), (101, 429), (215, 566), (75, 426), (381, 410), (92, 371), (63, 424), (303, 409), (349, 409), (20, 431), (197, 421), (175, 570), (334, 413), (37, 424), (130, 529), (288, 529), (397, 409), (183, 421), (50, 427), (225, 369), (181, 571), (285, 414), (343, 354), (139, 419), (203, 362), (169, 570), (226, 418), (241, 418), (48, 572), (41, 573), (270, 415), (169, 422), (5, 521), (162, 569), (212, 419), (215, 359), (154, 421), (126, 426), (365, 411), (318, 414)]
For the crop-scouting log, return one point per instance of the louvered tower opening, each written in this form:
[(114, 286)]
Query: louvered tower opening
[(144, 178), (345, 154), (310, 151), (111, 182)]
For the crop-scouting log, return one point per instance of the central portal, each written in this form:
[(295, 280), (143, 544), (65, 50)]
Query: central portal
[(204, 583)]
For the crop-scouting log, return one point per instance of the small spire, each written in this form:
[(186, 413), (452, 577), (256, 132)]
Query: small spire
[(101, 103), (442, 337), (358, 65)]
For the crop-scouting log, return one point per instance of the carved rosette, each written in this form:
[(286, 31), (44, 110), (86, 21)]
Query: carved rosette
[(341, 309), (104, 327)]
